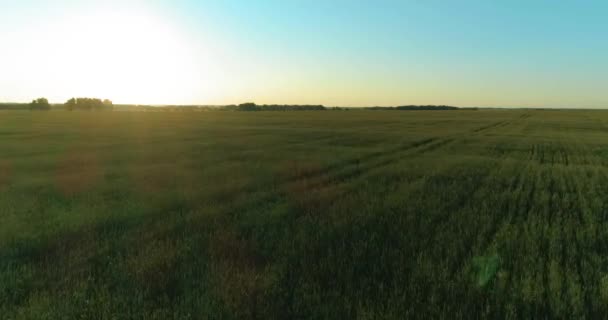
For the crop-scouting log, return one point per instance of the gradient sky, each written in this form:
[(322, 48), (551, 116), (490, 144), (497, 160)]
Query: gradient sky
[(509, 53)]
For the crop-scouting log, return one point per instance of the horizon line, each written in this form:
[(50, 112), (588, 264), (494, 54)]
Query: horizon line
[(330, 106)]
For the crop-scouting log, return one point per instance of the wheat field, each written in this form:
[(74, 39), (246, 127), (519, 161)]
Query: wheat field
[(303, 215)]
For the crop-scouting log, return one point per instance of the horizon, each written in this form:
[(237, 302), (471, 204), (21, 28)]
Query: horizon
[(56, 104), (524, 54)]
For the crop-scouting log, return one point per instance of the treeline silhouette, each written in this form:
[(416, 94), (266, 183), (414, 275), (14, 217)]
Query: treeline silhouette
[(414, 108), (94, 104), (250, 106), (88, 104), (40, 104)]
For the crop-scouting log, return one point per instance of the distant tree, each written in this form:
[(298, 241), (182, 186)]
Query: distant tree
[(40, 104), (426, 108), (71, 104), (107, 104), (414, 108), (88, 104), (249, 106)]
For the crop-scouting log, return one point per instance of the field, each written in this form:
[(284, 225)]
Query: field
[(304, 215)]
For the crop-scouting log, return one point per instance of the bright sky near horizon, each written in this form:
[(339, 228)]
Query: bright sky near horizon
[(511, 53)]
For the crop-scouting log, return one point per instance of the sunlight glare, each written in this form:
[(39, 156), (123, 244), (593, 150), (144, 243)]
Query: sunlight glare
[(129, 58)]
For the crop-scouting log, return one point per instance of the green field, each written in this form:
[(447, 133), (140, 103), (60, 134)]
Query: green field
[(304, 215)]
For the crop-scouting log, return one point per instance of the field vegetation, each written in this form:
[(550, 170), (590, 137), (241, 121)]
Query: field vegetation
[(303, 215)]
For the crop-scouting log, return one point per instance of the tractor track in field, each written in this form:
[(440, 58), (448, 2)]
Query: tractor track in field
[(386, 157), (572, 188), (501, 221), (518, 212), (342, 172), (492, 126), (489, 230), (552, 157), (348, 170), (439, 221), (357, 169)]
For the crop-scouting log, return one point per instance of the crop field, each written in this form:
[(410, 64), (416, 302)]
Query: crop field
[(304, 215)]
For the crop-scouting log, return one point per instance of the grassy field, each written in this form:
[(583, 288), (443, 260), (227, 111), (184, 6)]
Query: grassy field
[(306, 215)]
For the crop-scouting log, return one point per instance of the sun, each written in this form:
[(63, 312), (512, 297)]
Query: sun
[(129, 57)]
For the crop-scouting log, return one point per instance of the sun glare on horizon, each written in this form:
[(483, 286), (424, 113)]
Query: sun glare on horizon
[(130, 57)]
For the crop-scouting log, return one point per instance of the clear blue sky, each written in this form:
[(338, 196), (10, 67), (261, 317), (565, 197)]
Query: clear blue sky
[(468, 53)]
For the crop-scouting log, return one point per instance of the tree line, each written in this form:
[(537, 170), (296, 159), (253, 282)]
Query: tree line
[(415, 107), (88, 104), (94, 104), (250, 106), (84, 104)]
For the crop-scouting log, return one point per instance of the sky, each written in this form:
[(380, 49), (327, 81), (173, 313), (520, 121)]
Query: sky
[(511, 53)]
